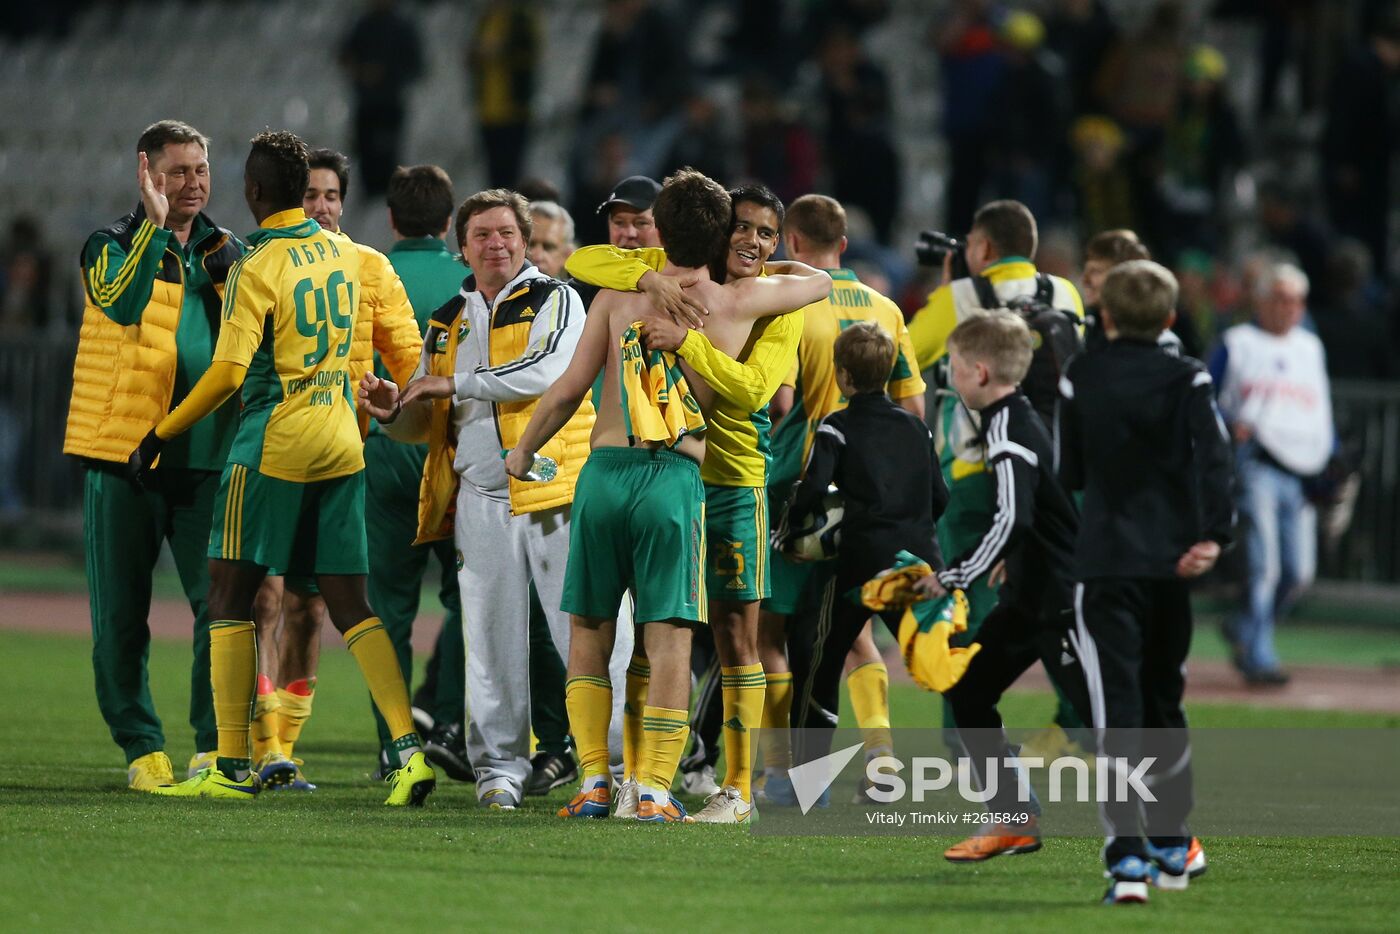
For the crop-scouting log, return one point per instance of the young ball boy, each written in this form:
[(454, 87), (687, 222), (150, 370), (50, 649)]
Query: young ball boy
[(1032, 538), (1140, 435), (881, 458)]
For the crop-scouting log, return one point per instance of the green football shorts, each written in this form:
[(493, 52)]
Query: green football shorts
[(638, 521), (288, 527), (736, 530)]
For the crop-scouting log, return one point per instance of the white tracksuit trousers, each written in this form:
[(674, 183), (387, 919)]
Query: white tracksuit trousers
[(501, 554)]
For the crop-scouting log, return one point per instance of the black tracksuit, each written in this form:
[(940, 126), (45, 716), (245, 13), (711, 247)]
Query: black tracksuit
[(882, 460), (1033, 531), (1138, 431)]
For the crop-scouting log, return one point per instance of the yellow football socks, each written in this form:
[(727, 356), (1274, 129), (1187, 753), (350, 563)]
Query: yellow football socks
[(233, 673), (742, 688), (638, 680), (777, 720), (294, 709), (370, 645), (666, 731), (870, 699), (266, 725), (589, 702)]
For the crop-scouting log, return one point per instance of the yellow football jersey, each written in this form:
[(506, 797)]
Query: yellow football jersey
[(656, 400), (850, 302), (289, 317), (737, 448)]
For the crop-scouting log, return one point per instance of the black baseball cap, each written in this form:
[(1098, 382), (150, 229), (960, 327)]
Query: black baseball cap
[(636, 191)]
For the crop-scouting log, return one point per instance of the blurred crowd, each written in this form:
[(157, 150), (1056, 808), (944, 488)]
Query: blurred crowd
[(1097, 126), (1096, 115)]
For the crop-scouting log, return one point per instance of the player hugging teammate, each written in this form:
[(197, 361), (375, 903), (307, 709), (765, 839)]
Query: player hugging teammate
[(642, 516)]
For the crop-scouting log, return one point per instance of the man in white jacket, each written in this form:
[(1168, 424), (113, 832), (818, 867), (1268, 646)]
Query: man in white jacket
[(1274, 394), (489, 354)]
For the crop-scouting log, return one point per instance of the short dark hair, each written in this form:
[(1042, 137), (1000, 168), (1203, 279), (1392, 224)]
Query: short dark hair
[(278, 162), (337, 162), (819, 219), (1116, 246), (694, 215), (1140, 297), (495, 198), (1010, 226), (420, 200), (865, 351), (761, 195), (158, 135)]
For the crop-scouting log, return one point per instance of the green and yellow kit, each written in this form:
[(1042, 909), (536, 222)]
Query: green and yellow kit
[(292, 496), (735, 472)]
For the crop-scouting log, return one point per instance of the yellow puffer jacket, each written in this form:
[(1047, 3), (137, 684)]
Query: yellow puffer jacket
[(124, 376), (510, 336), (384, 322)]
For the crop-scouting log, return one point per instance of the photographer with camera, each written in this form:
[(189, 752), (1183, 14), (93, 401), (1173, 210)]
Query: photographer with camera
[(992, 269)]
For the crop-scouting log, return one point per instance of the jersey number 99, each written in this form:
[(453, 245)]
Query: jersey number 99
[(324, 313)]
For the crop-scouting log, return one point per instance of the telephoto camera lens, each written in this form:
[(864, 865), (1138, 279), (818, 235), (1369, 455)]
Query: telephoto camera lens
[(933, 245)]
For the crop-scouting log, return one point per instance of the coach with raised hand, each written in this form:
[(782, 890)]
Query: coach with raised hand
[(154, 282)]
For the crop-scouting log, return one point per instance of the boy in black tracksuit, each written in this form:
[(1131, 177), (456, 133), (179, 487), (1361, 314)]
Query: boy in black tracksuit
[(1033, 533), (1139, 433), (882, 460)]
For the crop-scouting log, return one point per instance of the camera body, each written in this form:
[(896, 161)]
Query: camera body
[(933, 245)]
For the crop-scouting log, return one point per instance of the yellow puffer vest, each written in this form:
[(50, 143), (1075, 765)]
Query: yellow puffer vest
[(124, 376), (510, 336)]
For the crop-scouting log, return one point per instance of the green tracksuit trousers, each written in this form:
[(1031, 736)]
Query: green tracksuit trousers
[(397, 566), (124, 526)]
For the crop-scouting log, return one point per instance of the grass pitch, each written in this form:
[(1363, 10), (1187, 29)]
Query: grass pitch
[(78, 851)]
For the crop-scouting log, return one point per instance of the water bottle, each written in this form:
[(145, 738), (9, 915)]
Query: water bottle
[(542, 470)]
